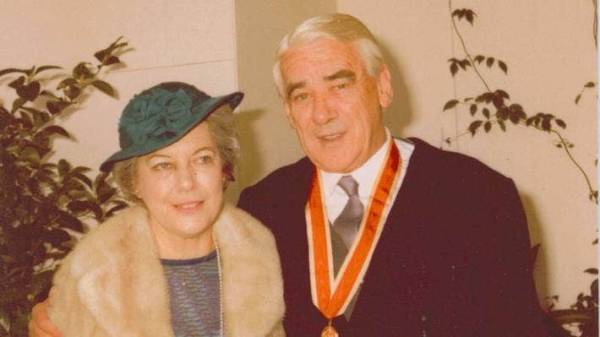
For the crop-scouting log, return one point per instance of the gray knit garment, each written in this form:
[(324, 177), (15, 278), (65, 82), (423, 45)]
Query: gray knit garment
[(195, 296)]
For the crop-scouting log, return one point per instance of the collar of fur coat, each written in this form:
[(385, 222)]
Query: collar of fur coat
[(120, 280)]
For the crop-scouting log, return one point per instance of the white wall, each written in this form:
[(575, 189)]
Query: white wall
[(267, 140), (549, 48), (184, 40)]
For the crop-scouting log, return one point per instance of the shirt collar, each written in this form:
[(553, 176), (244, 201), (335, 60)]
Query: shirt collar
[(365, 175)]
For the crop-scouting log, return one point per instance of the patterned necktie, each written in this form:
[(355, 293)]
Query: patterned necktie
[(347, 223)]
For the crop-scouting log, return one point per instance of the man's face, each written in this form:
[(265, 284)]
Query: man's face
[(334, 105)]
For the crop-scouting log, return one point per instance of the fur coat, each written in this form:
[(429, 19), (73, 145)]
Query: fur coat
[(113, 284)]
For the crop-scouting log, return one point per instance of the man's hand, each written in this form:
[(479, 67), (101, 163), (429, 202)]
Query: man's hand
[(40, 325)]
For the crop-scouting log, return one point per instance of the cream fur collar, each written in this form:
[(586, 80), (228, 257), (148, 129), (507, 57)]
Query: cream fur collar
[(120, 280)]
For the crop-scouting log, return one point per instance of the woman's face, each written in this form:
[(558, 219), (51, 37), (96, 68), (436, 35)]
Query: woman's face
[(182, 187)]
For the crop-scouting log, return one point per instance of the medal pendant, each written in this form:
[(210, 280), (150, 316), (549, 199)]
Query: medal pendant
[(329, 331)]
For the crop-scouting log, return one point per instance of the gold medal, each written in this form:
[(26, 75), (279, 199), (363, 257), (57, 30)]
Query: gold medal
[(329, 331)]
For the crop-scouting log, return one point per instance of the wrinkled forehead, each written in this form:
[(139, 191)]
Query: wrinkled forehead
[(323, 57)]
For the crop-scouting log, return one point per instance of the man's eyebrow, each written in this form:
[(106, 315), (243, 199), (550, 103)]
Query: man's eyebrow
[(290, 88), (344, 73)]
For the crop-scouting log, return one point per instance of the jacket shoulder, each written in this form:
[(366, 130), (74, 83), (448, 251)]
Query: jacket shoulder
[(285, 180), (284, 175), (456, 166)]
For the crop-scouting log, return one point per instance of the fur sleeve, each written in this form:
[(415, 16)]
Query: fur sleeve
[(66, 310)]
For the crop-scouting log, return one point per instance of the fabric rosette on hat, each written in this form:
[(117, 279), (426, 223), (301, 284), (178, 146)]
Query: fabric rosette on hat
[(158, 117)]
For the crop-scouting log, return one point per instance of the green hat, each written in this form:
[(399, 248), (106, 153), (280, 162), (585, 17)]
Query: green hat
[(161, 115)]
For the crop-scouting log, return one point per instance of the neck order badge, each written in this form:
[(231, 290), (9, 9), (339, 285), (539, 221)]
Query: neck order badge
[(332, 295)]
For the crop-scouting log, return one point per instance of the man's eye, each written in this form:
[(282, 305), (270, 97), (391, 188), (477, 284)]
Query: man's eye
[(340, 86), (300, 97)]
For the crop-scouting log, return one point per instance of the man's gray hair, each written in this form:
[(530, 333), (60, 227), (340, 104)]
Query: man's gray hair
[(341, 27)]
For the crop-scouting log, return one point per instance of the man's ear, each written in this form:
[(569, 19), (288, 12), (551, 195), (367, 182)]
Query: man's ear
[(384, 87)]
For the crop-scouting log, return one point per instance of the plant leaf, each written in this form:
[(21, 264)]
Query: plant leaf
[(502, 93), (12, 70), (487, 126), (81, 71), (83, 178), (474, 126), (593, 271), (66, 82), (479, 58), (44, 68), (453, 68), (64, 167), (17, 83), (56, 237), (590, 85), (473, 109), (490, 62), (104, 87), (30, 91), (560, 123), (486, 113), (503, 66), (450, 104), (469, 15), (502, 125), (118, 206), (55, 129), (577, 98), (69, 221), (112, 60)]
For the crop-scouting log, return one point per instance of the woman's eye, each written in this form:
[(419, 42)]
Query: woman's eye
[(205, 159), (162, 166)]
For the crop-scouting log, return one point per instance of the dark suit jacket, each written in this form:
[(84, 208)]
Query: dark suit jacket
[(453, 258)]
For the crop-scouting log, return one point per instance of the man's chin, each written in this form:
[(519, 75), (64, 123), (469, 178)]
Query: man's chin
[(333, 164)]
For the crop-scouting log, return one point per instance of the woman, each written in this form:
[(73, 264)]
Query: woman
[(179, 262)]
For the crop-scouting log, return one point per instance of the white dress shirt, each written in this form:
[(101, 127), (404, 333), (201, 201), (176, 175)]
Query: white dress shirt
[(336, 198)]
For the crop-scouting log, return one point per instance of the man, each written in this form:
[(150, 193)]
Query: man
[(444, 253), (380, 236)]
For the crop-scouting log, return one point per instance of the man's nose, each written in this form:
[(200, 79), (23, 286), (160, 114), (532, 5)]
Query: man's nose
[(323, 109)]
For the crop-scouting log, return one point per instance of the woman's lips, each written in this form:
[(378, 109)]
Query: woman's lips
[(188, 207)]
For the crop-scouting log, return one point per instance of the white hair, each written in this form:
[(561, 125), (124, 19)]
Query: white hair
[(340, 27)]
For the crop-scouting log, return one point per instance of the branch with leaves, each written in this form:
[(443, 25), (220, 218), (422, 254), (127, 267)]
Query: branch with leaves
[(494, 107), (44, 202)]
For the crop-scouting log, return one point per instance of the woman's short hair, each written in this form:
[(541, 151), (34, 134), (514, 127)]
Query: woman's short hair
[(341, 27), (221, 125)]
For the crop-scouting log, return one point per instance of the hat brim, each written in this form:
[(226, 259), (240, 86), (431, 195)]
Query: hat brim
[(209, 106)]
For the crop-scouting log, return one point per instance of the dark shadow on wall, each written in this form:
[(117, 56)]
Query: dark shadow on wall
[(399, 114), (250, 161)]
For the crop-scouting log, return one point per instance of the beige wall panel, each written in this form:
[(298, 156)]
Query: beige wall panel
[(549, 49), (184, 40), (267, 140)]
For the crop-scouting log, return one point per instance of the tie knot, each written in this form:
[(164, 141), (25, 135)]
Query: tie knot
[(349, 185)]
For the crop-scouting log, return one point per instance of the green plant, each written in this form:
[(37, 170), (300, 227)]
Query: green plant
[(44, 202), (493, 107)]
